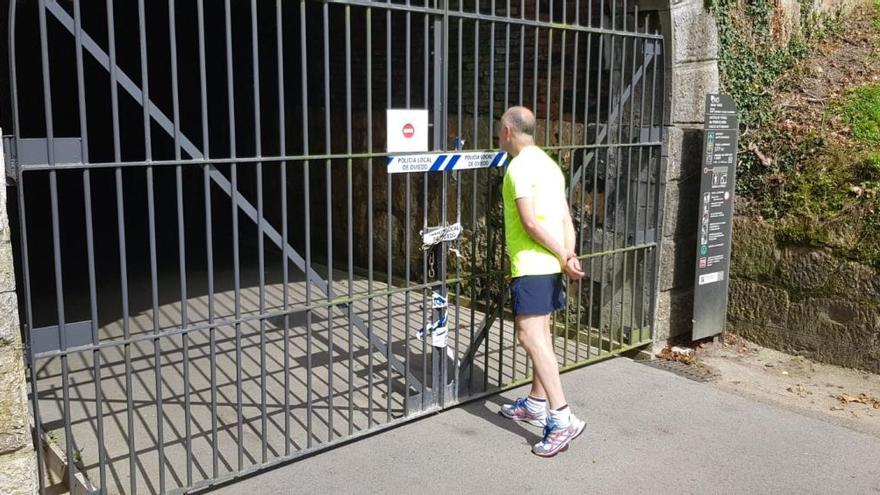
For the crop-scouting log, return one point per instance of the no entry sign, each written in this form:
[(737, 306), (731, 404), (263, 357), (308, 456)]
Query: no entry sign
[(407, 130)]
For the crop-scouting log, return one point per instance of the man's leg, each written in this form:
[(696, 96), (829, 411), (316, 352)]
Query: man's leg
[(537, 390), (532, 332), (562, 426)]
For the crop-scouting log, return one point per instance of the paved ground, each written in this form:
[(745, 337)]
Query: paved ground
[(650, 431)]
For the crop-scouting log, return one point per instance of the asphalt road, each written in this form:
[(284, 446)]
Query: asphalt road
[(649, 431)]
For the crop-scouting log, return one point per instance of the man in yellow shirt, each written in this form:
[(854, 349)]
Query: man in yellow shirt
[(540, 242)]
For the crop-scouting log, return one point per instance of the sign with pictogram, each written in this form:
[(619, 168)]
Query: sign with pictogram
[(715, 217), (407, 130)]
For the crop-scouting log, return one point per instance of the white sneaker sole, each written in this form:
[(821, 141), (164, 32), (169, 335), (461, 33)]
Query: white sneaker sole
[(564, 447), (534, 422)]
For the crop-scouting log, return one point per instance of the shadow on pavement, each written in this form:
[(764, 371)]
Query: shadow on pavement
[(488, 410)]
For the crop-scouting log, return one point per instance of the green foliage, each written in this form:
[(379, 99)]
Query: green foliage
[(833, 201), (876, 23), (860, 109), (814, 190), (750, 63)]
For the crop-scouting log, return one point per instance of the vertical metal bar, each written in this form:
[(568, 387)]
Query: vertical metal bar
[(547, 103), (25, 271), (522, 52), (475, 182), (285, 275), (503, 234), (489, 174), (617, 172), (90, 247), (349, 227), (647, 191), (458, 178), (369, 58), (630, 181), (388, 234), (572, 164), (408, 224), (120, 215), (425, 213), (489, 265), (560, 142), (329, 212), (59, 290), (605, 229), (151, 220), (56, 241), (657, 200), (441, 50), (38, 427), (233, 171), (261, 257), (581, 227), (307, 228), (425, 253), (209, 238), (595, 206), (184, 303), (536, 59)]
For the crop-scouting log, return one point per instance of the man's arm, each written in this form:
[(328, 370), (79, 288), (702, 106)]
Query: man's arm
[(572, 266), (525, 206)]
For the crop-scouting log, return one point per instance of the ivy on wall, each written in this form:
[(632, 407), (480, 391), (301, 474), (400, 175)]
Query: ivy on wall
[(751, 58)]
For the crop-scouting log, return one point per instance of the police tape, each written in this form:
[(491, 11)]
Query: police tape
[(443, 162)]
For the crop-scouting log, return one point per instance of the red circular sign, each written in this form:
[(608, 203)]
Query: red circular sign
[(408, 131)]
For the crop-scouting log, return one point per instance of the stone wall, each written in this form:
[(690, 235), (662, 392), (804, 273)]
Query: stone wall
[(17, 458), (803, 300), (691, 54)]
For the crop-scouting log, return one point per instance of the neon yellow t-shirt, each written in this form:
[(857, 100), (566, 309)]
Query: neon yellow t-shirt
[(533, 173)]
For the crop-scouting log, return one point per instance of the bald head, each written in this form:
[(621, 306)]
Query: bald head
[(516, 130), (521, 120)]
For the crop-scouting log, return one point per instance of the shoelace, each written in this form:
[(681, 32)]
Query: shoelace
[(548, 429), (519, 403)]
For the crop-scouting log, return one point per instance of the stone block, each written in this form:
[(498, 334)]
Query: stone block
[(766, 335), (690, 84), (681, 210), (7, 267), (677, 268), (675, 312), (855, 281), (836, 331), (685, 147), (751, 302), (695, 35), (807, 269), (14, 431), (18, 473), (10, 332), (754, 254)]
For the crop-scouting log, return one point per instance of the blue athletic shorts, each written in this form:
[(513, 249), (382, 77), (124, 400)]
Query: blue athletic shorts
[(537, 294)]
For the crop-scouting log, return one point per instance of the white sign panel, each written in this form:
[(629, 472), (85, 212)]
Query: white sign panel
[(711, 278), (407, 130), (433, 235), (442, 162)]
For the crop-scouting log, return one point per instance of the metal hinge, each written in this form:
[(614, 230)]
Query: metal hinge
[(34, 151)]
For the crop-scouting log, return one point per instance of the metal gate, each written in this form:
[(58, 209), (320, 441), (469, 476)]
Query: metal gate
[(216, 273)]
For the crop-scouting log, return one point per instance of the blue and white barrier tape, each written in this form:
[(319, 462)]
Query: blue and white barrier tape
[(443, 162)]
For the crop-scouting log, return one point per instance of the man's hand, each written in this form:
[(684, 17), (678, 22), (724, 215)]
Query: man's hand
[(573, 268)]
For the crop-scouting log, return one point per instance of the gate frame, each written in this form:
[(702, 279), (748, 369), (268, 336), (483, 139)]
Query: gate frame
[(441, 20)]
